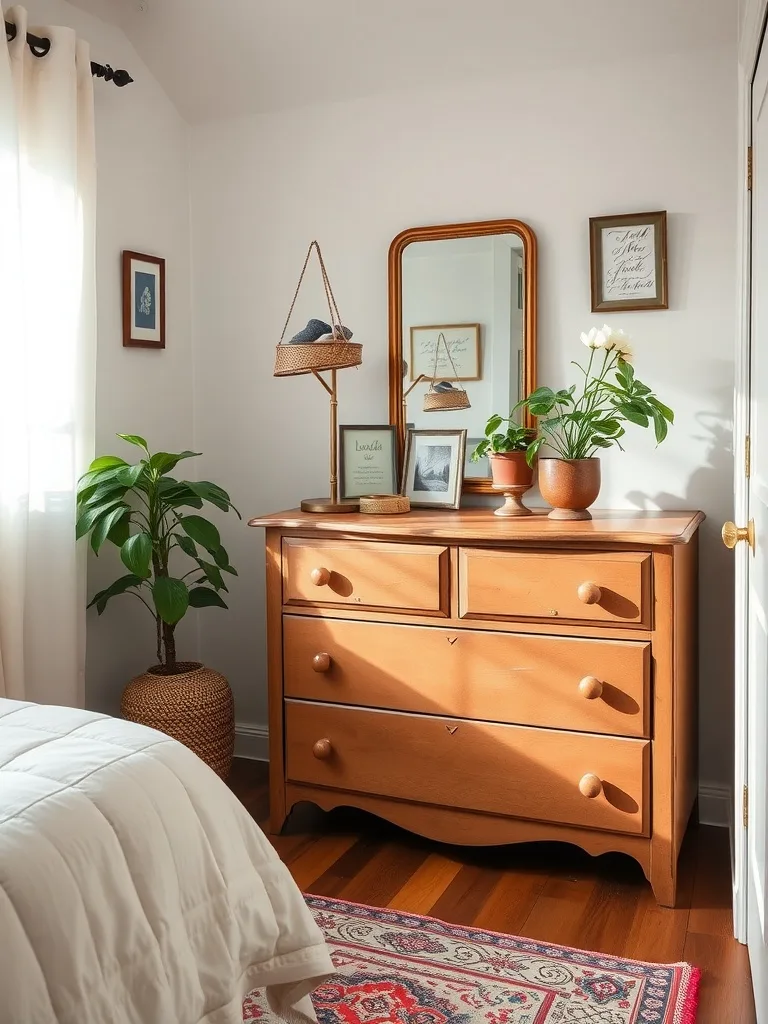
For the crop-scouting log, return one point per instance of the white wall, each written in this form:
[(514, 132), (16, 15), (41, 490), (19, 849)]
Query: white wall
[(551, 149), (143, 204)]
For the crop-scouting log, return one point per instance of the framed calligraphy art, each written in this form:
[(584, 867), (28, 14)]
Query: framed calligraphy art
[(457, 359), (367, 461), (628, 260)]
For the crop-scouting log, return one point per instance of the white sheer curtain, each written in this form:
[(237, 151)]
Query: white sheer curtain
[(47, 357)]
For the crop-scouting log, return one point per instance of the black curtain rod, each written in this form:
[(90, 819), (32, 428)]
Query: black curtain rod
[(41, 45)]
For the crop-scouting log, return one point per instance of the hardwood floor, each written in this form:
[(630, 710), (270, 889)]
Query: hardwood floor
[(544, 891)]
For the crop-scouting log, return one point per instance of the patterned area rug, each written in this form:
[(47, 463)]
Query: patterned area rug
[(395, 968)]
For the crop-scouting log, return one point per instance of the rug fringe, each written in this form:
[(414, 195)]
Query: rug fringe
[(691, 999)]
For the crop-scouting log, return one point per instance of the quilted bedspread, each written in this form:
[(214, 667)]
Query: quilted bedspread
[(134, 887)]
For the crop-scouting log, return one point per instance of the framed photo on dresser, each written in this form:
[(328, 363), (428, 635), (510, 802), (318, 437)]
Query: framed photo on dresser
[(433, 469), (367, 461)]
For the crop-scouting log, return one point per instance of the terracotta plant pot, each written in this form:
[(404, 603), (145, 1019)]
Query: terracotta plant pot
[(513, 476), (194, 706), (569, 486)]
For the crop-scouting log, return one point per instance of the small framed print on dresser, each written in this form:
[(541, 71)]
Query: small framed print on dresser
[(628, 262)]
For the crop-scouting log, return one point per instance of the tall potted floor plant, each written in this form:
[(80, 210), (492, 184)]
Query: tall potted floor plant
[(579, 422), (143, 510)]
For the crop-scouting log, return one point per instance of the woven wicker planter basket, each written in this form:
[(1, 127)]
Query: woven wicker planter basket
[(195, 707)]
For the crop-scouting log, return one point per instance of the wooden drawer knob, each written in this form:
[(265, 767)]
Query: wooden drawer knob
[(589, 593), (590, 786), (320, 577), (321, 662), (590, 687), (322, 749)]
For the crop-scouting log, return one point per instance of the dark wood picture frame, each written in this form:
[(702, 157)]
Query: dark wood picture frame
[(597, 225), (132, 336), (387, 428)]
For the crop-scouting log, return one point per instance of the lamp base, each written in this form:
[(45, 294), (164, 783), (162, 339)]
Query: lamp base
[(327, 505)]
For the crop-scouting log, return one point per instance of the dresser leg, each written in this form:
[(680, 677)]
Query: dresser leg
[(664, 885), (278, 814)]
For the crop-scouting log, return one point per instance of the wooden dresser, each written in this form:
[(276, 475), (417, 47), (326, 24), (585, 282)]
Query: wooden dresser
[(482, 680)]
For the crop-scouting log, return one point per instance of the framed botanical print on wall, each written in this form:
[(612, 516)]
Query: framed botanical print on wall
[(628, 261), (143, 300)]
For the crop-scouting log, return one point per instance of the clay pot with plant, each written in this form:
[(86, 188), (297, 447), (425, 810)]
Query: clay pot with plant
[(506, 451), (143, 510), (579, 422)]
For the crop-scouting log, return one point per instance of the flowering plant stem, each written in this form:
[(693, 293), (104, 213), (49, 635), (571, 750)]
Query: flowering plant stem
[(576, 426)]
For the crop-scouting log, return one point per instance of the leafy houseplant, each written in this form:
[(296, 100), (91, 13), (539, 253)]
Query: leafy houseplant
[(506, 450), (514, 439), (142, 509), (580, 421)]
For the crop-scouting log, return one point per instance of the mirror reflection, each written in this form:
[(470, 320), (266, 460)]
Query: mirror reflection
[(463, 328)]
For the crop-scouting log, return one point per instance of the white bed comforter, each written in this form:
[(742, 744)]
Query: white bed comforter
[(134, 887)]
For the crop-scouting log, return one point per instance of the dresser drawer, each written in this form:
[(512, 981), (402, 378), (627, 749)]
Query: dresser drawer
[(610, 587), (573, 778), (400, 577), (565, 683)]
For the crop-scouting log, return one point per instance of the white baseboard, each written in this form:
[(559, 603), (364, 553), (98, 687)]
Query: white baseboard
[(715, 804), (252, 741)]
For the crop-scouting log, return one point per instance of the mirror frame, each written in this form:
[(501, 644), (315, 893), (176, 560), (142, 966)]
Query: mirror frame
[(473, 485)]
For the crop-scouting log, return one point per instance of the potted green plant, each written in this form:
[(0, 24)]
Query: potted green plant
[(578, 422), (142, 510), (506, 451)]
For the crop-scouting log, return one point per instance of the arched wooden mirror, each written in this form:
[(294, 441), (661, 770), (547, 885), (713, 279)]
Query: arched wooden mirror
[(476, 284)]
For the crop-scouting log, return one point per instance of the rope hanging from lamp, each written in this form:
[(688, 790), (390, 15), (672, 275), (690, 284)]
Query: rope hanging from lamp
[(40, 45)]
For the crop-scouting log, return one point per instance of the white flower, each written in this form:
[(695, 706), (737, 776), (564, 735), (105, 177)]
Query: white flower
[(619, 341), (595, 338)]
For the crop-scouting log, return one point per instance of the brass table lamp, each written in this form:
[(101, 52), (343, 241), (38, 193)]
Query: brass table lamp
[(328, 354)]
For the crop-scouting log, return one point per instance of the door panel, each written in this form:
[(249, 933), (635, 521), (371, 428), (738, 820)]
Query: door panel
[(757, 573)]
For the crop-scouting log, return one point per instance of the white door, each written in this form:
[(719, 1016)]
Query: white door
[(755, 553)]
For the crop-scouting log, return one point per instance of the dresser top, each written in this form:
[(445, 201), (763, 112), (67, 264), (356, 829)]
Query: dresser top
[(479, 524)]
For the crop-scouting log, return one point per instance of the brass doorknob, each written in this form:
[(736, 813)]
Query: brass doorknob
[(590, 786), (589, 593), (320, 577), (732, 534), (321, 662), (322, 749), (591, 688)]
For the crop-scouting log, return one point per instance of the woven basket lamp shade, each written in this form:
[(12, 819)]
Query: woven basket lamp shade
[(336, 353), (444, 401), (438, 401)]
